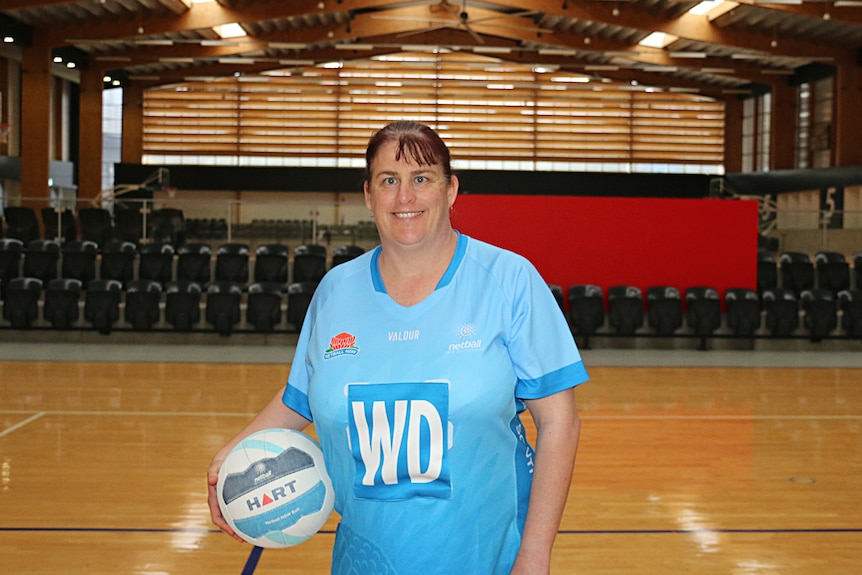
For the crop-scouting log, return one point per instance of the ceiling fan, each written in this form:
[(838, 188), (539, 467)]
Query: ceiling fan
[(461, 18)]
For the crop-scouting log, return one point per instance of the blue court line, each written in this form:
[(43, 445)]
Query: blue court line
[(691, 531), (561, 532)]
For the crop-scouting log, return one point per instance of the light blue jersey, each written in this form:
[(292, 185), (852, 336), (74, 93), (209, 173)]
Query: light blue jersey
[(416, 409)]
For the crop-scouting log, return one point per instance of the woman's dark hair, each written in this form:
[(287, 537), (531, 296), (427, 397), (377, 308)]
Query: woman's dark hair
[(416, 141)]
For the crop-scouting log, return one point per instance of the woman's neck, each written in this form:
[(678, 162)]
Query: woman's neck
[(412, 274)]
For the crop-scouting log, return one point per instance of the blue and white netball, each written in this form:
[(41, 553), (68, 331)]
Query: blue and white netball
[(274, 490)]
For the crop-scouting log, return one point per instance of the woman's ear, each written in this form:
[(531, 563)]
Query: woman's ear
[(452, 193), (367, 194)]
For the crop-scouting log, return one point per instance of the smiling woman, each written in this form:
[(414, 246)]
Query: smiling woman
[(448, 337)]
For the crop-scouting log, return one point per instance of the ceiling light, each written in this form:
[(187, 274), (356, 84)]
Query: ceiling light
[(492, 50), (571, 79), (557, 52), (655, 40), (296, 63), (155, 42), (8, 39), (236, 61), (218, 43), (687, 54), (419, 48), (601, 67), (232, 30), (717, 70), (704, 7), (287, 46), (354, 46), (660, 68)]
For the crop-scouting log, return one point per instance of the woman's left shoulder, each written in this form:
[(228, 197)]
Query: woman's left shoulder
[(496, 258)]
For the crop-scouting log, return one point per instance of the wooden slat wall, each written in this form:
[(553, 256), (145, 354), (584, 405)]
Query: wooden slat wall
[(484, 109)]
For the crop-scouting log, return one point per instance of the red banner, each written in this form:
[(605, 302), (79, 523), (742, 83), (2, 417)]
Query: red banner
[(642, 242)]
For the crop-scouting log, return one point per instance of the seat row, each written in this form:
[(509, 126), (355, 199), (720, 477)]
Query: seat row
[(123, 261), (701, 312), (129, 222), (145, 305), (797, 271)]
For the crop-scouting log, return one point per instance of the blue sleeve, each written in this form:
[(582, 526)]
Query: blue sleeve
[(543, 351)]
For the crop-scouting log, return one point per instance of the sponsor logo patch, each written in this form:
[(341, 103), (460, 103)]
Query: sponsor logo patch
[(341, 344)]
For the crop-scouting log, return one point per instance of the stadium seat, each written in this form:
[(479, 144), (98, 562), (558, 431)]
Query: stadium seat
[(21, 305), (41, 258), (850, 303), (118, 261), (309, 263), (298, 299), (704, 311), (833, 271), (232, 263), (156, 262), (182, 304), (59, 224), (664, 309), (743, 311), (102, 304), (142, 304), (345, 253), (62, 297), (820, 312), (557, 292), (79, 261), (625, 309), (194, 263), (223, 306), (10, 261), (767, 271), (263, 309), (271, 263), (782, 311), (21, 223), (96, 225), (586, 310), (128, 223), (167, 225), (797, 272)]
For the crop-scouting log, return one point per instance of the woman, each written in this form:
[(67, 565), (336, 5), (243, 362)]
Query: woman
[(414, 363)]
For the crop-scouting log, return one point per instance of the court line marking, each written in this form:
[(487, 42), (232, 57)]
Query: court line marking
[(777, 530), (20, 424), (587, 415)]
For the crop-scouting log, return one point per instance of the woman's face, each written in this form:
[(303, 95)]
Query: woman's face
[(410, 202)]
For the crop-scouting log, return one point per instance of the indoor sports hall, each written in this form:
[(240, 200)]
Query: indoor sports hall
[(177, 177)]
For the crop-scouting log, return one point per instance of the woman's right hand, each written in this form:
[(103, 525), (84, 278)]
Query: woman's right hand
[(212, 499)]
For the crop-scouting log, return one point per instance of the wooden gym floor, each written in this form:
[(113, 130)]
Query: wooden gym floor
[(689, 462)]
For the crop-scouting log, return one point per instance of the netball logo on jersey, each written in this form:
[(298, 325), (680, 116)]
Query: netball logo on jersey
[(469, 341), (341, 344)]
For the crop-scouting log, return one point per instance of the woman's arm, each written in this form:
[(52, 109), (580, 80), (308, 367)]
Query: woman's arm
[(274, 415), (558, 426)]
